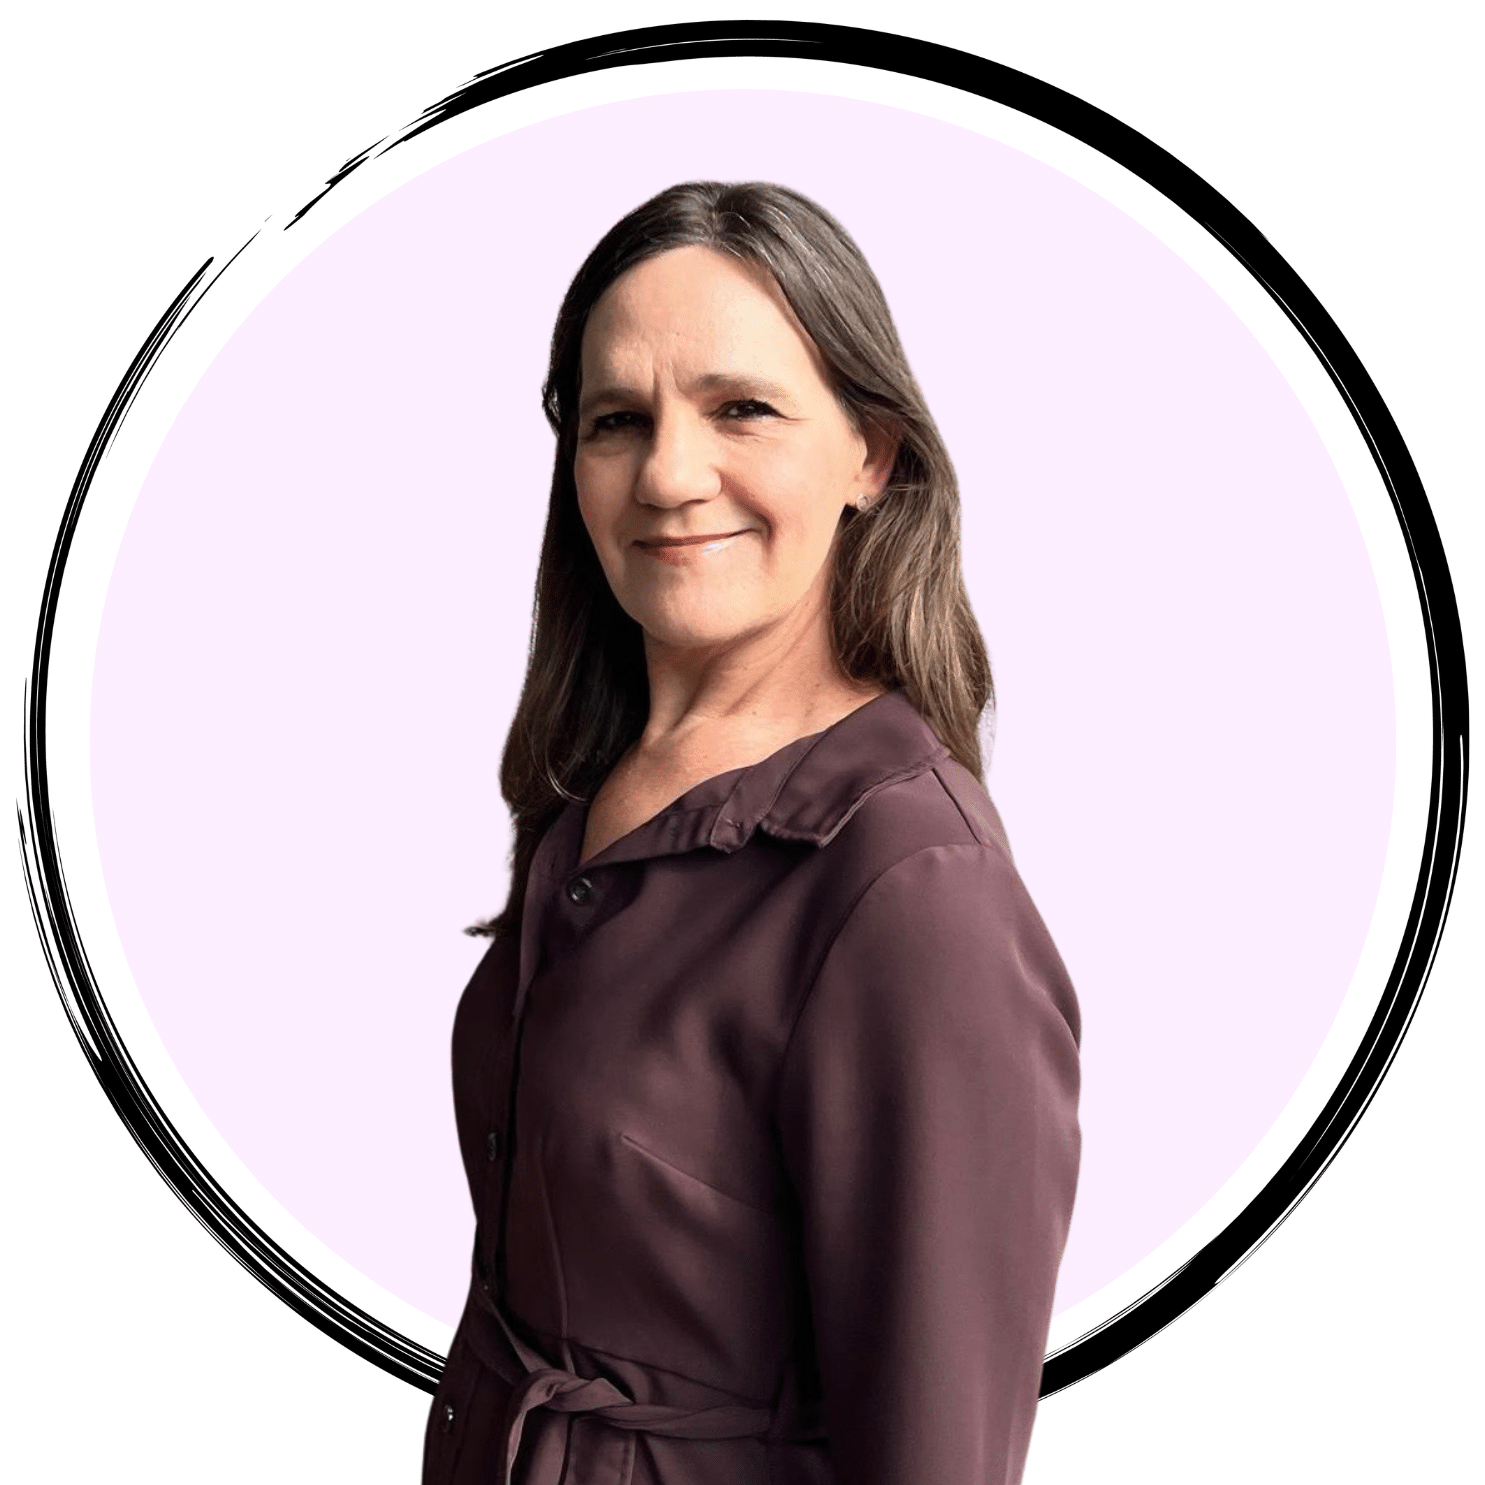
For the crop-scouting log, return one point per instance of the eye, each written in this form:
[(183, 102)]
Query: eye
[(748, 409), (616, 422)]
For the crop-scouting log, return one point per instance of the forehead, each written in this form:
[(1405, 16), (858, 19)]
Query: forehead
[(691, 305)]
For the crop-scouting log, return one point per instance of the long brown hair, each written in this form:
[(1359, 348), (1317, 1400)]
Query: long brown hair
[(899, 613)]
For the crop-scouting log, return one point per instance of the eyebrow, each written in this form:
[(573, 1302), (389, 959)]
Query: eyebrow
[(740, 383)]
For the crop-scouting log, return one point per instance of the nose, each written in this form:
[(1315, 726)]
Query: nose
[(679, 466)]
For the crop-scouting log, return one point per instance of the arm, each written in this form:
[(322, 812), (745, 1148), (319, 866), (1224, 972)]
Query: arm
[(928, 1114)]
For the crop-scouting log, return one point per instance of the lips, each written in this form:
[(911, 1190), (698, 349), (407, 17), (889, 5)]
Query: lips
[(685, 541)]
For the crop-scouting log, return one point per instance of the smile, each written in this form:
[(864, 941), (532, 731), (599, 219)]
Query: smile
[(687, 548)]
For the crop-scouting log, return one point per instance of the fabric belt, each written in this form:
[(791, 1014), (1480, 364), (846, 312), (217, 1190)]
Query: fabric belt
[(536, 1383)]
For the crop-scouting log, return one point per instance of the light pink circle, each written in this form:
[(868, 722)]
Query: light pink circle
[(316, 627)]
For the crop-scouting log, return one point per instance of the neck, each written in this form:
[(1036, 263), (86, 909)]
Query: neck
[(773, 686)]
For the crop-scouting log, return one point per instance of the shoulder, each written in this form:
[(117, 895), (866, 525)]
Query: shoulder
[(941, 976), (937, 902), (940, 804)]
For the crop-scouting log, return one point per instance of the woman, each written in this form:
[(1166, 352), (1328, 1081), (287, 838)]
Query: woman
[(766, 1087)]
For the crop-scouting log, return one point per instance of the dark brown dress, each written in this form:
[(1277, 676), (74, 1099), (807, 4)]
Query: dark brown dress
[(770, 1124)]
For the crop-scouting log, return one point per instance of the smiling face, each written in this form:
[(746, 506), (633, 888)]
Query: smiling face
[(713, 458)]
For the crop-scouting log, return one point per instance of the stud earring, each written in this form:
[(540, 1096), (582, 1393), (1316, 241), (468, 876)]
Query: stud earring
[(863, 500)]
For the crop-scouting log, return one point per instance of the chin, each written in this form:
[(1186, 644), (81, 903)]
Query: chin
[(678, 630)]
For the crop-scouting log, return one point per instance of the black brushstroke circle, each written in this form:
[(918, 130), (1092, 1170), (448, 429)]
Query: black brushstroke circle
[(363, 1333)]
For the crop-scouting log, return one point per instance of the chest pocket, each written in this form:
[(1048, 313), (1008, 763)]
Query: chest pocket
[(663, 1267)]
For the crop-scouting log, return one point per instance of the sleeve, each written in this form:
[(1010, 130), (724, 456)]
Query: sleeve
[(928, 1116)]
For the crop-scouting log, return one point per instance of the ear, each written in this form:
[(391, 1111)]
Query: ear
[(880, 458)]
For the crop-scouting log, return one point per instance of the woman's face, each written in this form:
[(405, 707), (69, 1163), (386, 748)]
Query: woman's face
[(713, 459)]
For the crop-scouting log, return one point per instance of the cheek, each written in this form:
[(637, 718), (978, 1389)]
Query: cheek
[(801, 498), (812, 515), (595, 502)]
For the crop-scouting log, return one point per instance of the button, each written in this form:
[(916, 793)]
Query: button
[(580, 891), (492, 1145), (448, 1417)]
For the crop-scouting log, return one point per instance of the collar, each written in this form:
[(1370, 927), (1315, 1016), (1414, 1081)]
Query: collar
[(806, 791)]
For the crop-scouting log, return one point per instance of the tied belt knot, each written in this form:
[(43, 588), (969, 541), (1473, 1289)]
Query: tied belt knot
[(536, 1383)]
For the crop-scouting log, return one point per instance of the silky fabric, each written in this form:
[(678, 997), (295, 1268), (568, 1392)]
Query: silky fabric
[(769, 1115)]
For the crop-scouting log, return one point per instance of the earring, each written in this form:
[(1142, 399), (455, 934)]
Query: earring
[(863, 500)]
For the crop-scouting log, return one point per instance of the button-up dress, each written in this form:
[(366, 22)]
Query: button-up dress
[(769, 1118)]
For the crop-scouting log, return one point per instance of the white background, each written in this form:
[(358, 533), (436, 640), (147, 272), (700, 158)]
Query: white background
[(143, 138)]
